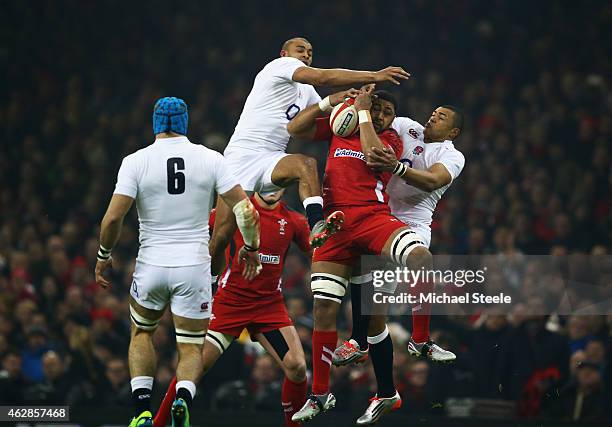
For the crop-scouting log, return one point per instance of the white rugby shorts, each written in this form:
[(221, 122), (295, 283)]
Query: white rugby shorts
[(187, 289), (253, 168)]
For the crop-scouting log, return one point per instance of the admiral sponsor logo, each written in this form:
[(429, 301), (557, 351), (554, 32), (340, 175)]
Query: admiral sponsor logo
[(413, 133), (347, 152), (269, 259)]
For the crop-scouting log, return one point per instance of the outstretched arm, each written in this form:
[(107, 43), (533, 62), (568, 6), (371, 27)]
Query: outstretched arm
[(343, 77), (303, 126)]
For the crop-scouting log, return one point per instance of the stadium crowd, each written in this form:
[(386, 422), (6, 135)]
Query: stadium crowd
[(538, 180)]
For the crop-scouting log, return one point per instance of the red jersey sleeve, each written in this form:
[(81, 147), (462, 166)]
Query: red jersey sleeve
[(324, 132), (302, 231), (391, 139)]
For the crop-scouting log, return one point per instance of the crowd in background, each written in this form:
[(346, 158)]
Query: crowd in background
[(80, 80)]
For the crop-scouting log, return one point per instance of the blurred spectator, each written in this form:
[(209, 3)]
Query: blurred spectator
[(12, 381), (55, 385), (265, 383), (583, 399), (32, 355), (117, 390)]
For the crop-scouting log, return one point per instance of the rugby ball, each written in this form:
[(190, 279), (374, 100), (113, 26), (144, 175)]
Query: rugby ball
[(343, 119)]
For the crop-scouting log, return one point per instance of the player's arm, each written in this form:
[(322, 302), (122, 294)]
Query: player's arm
[(304, 124), (343, 77), (247, 220), (367, 135), (110, 230), (429, 180)]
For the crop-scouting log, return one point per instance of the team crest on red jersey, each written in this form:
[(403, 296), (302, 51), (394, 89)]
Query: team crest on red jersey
[(417, 150), (282, 222), (413, 133)]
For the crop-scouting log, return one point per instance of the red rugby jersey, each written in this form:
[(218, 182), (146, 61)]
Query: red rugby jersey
[(348, 181), (279, 227)]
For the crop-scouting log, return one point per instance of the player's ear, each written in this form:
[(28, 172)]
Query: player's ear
[(454, 133), (283, 53)]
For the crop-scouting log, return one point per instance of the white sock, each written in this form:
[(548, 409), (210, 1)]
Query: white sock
[(380, 337), (313, 200), (189, 385), (142, 382)]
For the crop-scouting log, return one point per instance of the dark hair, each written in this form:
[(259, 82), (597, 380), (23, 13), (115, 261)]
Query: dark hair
[(457, 117), (387, 96), (294, 39)]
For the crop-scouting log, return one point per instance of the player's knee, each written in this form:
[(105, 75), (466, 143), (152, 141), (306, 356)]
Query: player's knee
[(403, 245), (307, 166), (420, 257), (189, 339), (140, 324), (327, 287), (295, 367)]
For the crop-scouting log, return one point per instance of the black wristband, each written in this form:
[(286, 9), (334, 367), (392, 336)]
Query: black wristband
[(250, 248)]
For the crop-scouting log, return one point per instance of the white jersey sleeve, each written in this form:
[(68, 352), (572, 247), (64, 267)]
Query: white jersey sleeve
[(314, 98), (127, 178), (225, 179), (285, 67), (452, 159)]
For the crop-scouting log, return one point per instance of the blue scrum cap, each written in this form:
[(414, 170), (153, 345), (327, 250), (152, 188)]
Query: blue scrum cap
[(170, 114)]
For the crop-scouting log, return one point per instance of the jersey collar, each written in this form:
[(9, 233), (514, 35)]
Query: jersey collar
[(174, 140)]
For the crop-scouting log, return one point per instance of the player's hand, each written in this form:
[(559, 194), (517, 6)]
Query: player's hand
[(363, 101), (391, 74), (252, 264), (338, 97), (101, 267), (381, 159)]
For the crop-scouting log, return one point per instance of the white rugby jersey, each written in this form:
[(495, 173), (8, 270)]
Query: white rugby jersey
[(173, 182), (274, 100), (411, 205)]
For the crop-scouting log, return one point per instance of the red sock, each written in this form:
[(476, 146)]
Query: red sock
[(164, 408), (293, 396), (421, 313), (323, 346)]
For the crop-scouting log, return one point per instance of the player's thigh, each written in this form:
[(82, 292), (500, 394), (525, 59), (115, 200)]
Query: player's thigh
[(190, 302), (285, 347), (143, 319), (149, 296), (405, 246), (291, 167)]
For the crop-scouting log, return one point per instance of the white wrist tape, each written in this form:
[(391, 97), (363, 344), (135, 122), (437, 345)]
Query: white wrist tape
[(247, 219), (103, 253), (364, 116), (325, 105), (400, 169)]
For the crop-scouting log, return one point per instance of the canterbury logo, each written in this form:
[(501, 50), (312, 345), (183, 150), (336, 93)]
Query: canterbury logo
[(326, 352)]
